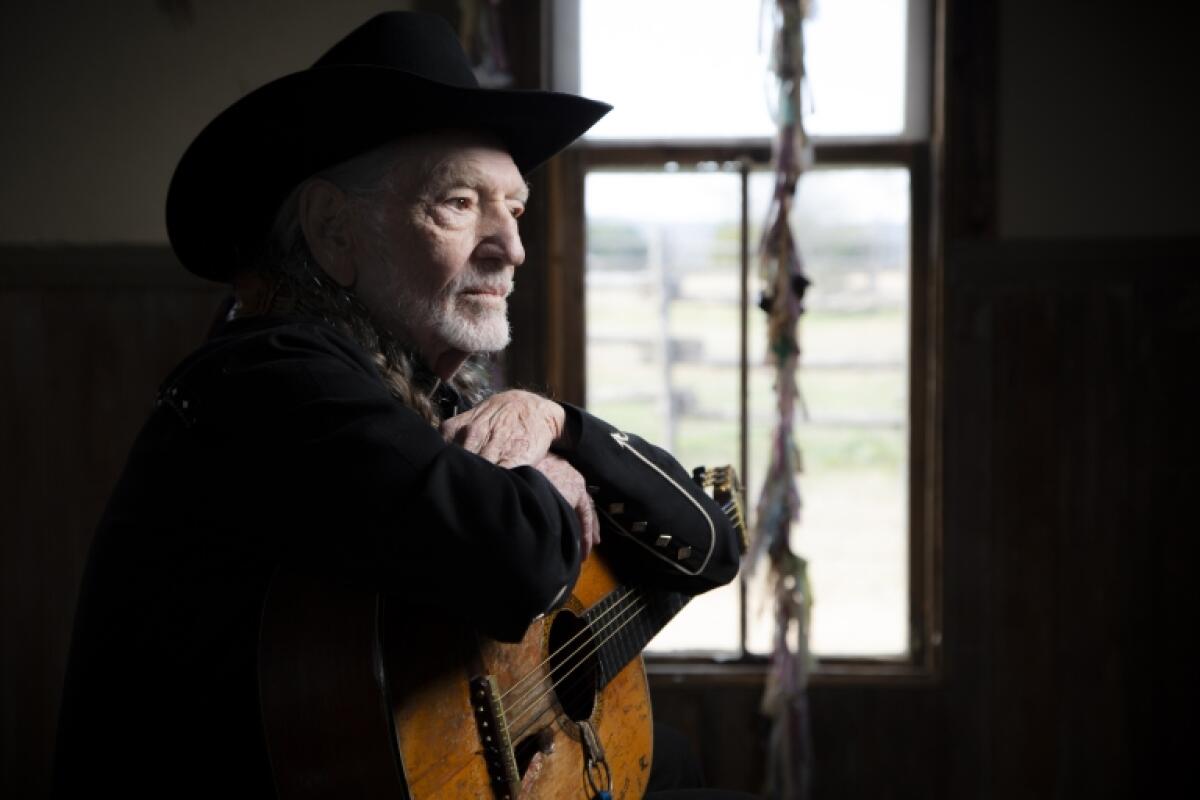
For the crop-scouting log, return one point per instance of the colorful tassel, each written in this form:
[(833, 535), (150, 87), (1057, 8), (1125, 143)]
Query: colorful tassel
[(785, 702)]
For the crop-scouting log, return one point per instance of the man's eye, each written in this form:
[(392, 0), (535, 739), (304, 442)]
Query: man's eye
[(461, 203)]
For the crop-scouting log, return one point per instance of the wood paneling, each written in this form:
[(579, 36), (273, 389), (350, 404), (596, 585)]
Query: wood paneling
[(87, 336), (1064, 362)]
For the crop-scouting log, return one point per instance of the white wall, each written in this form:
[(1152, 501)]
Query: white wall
[(99, 99)]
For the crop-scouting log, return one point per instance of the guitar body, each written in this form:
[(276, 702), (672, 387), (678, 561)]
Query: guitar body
[(436, 725), (363, 700)]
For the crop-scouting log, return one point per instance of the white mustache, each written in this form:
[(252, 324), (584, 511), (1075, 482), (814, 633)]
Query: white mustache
[(503, 288)]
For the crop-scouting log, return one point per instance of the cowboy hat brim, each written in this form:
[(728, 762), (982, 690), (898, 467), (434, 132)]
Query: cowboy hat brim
[(232, 179)]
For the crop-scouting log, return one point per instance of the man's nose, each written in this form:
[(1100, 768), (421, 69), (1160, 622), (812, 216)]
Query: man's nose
[(501, 238)]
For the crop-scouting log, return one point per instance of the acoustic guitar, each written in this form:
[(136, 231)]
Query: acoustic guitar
[(361, 703)]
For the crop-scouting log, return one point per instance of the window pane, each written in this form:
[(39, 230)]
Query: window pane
[(674, 72), (662, 336), (852, 225), (662, 355)]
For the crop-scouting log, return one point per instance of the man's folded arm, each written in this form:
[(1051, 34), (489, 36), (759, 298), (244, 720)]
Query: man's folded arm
[(369, 491), (660, 526)]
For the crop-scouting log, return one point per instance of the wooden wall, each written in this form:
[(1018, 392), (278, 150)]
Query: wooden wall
[(1066, 367), (88, 334)]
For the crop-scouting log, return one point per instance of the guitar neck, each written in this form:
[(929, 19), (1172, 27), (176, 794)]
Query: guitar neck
[(625, 621), (627, 618)]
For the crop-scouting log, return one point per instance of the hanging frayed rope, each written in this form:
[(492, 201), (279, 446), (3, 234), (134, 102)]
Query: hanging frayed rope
[(789, 751)]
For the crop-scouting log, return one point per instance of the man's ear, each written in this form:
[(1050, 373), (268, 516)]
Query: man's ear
[(325, 220)]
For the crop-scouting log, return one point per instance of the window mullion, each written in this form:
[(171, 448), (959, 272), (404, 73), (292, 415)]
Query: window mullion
[(744, 372)]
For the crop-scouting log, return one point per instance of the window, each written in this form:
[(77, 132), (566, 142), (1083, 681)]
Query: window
[(675, 184)]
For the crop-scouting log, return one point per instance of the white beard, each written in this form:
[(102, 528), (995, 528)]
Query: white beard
[(472, 327), (465, 324)]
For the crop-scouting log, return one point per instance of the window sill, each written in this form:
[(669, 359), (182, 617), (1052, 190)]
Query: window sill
[(666, 670)]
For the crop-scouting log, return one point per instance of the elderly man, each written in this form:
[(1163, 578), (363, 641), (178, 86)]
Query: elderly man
[(338, 423)]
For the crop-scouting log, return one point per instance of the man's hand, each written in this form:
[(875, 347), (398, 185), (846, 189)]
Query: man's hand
[(571, 486), (510, 429), (516, 429)]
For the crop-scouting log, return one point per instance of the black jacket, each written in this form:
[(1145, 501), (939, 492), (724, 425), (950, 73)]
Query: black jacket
[(278, 443)]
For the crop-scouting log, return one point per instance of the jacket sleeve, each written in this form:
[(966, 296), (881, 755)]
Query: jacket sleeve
[(658, 526), (359, 487)]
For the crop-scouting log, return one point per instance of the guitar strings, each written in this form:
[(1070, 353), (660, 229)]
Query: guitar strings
[(521, 702), (534, 672), (548, 707), (636, 610), (528, 701), (569, 659), (542, 708), (732, 510)]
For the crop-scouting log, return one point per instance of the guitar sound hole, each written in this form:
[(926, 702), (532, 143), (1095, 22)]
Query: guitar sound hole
[(573, 664), (527, 748)]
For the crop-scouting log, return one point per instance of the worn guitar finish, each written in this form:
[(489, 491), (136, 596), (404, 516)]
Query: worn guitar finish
[(359, 702), (356, 712)]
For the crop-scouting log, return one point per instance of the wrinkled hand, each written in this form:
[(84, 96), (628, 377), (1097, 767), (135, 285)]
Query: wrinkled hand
[(570, 485), (510, 429)]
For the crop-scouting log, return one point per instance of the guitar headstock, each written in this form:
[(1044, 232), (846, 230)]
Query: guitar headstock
[(724, 486)]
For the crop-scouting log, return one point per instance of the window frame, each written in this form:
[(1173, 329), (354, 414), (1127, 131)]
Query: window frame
[(566, 326)]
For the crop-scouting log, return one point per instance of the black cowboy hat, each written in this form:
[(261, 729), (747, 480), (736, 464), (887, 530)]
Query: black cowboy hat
[(399, 73)]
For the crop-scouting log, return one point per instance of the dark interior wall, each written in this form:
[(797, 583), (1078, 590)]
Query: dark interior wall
[(1064, 512), (1095, 134), (1072, 320), (84, 346), (100, 99)]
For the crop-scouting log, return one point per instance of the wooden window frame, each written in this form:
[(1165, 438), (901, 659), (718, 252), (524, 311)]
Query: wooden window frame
[(565, 355), (549, 320)]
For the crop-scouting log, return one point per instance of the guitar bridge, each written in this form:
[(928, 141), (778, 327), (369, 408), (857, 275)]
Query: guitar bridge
[(493, 736)]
